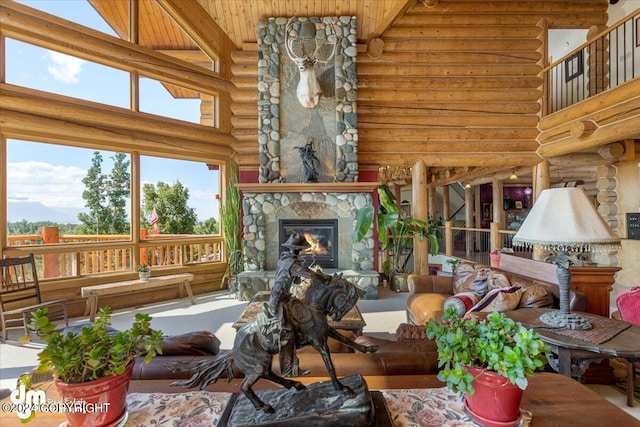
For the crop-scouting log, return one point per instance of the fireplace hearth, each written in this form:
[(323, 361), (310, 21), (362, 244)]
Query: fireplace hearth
[(322, 235)]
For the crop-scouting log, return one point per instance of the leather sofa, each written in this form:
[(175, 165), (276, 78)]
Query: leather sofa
[(427, 294), (394, 357)]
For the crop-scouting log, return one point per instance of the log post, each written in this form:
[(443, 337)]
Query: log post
[(448, 238), (419, 207), (468, 217), (446, 209)]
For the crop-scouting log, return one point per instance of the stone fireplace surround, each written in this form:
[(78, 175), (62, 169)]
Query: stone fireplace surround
[(283, 126), (265, 204)]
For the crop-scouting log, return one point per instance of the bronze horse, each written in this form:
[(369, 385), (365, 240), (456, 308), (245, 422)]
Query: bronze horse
[(257, 341)]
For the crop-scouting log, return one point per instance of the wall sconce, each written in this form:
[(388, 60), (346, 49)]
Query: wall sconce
[(396, 173), (467, 186), (513, 175)]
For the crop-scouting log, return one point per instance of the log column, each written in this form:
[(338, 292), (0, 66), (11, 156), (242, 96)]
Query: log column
[(468, 216), (419, 210), (540, 182), (446, 209)]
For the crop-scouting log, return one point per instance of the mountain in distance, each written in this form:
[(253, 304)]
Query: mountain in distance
[(36, 212)]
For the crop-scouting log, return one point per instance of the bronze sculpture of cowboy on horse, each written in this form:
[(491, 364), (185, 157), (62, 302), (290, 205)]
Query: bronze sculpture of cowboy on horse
[(292, 324)]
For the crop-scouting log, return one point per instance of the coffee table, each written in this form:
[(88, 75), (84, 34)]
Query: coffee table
[(575, 354), (351, 321), (554, 400)]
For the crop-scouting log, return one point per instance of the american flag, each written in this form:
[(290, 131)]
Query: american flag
[(154, 217)]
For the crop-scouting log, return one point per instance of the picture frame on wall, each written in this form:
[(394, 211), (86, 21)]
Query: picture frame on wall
[(486, 211), (574, 66), (518, 204)]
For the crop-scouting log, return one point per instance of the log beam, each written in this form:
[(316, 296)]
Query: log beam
[(398, 10), (29, 113)]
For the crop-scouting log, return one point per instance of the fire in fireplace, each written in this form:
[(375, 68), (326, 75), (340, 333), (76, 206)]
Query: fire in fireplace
[(322, 235)]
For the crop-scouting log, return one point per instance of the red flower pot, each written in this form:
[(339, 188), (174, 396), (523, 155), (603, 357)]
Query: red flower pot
[(496, 401), (98, 403)]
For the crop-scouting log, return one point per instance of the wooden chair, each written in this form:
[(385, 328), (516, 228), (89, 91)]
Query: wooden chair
[(20, 295)]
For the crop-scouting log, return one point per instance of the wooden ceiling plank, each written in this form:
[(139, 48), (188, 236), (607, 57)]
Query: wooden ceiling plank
[(400, 7)]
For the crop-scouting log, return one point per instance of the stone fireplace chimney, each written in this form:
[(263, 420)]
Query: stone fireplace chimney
[(285, 125)]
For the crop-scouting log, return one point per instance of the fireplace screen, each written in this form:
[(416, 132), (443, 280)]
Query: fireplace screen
[(322, 235)]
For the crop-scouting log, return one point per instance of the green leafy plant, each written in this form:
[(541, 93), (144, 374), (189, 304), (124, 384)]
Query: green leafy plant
[(230, 212), (143, 268), (396, 230), (453, 262), (495, 343), (95, 352)]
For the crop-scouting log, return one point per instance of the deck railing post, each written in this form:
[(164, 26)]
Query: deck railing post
[(50, 265)]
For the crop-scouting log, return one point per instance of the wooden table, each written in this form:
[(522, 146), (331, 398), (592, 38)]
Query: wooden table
[(117, 288), (578, 352), (553, 399), (351, 321)]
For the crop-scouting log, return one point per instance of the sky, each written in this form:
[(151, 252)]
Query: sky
[(52, 174)]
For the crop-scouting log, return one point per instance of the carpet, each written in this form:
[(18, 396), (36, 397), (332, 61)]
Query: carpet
[(620, 371)]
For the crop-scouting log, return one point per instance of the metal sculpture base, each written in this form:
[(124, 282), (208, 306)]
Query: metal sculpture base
[(318, 405), (558, 319)]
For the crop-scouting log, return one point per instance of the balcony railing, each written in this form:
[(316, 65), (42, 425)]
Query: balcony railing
[(83, 255), (609, 60), (476, 244)]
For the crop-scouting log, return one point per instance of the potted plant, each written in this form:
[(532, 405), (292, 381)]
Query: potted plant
[(489, 360), (95, 364), (144, 272), (231, 220), (396, 231)]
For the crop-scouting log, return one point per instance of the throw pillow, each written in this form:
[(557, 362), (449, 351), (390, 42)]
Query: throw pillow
[(497, 280), (535, 296), (408, 332), (501, 299), (463, 271), (475, 282), (461, 302)]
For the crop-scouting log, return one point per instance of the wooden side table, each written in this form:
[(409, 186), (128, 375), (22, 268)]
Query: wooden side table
[(571, 350)]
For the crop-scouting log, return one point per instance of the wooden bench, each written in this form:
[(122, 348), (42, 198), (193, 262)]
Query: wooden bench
[(116, 288)]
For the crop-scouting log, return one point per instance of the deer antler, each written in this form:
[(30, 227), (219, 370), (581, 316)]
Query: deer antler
[(308, 90)]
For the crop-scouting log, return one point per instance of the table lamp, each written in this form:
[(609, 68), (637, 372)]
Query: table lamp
[(562, 221)]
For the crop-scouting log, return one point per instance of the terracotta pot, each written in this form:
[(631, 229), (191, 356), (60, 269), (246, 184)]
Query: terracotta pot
[(496, 401), (111, 390)]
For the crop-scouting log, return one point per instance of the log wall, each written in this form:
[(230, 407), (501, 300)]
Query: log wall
[(456, 84)]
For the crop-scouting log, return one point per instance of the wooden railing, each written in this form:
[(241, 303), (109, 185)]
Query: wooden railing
[(476, 244), (608, 60), (77, 255)]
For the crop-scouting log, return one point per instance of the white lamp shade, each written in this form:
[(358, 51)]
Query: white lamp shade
[(565, 218)]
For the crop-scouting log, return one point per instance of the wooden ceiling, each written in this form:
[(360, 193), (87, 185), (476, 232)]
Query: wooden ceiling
[(238, 18)]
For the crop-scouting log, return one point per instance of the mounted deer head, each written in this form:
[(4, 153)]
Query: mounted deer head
[(308, 90)]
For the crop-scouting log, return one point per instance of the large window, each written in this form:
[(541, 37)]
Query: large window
[(50, 71), (94, 192)]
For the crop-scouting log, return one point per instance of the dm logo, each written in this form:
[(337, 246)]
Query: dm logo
[(26, 401)]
